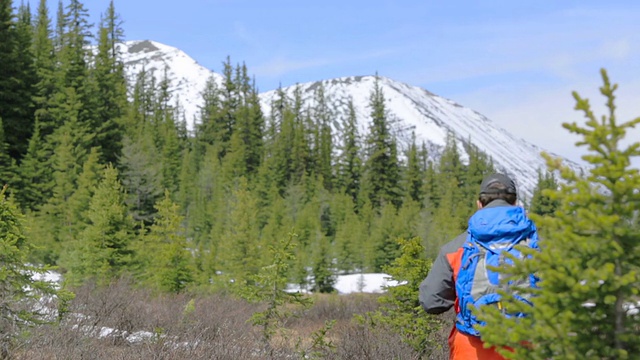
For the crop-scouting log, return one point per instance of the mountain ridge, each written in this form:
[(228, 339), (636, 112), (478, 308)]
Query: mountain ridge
[(409, 107)]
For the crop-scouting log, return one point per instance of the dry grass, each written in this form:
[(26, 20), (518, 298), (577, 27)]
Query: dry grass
[(215, 327)]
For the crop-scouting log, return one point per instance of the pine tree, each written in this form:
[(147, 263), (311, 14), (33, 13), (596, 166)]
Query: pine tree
[(480, 165), (20, 290), (241, 251), (111, 93), (141, 176), (269, 286), (17, 78), (7, 164), (400, 307), (350, 162), (75, 87), (244, 150), (74, 42), (207, 127), (590, 255), (382, 169), (282, 158), (351, 234), (452, 202), (60, 25), (187, 179), (103, 250), (167, 262), (324, 143), (251, 126), (44, 62), (171, 151), (542, 204), (384, 230), (414, 173), (36, 176), (298, 126), (218, 118), (70, 152), (246, 142), (78, 202), (323, 276), (448, 218)]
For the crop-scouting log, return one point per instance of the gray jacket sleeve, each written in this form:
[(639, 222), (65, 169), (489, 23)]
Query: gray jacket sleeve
[(437, 291)]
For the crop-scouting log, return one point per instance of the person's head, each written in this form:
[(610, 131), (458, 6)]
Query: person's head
[(497, 186)]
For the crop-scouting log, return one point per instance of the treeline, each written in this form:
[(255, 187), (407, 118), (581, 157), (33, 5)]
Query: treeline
[(112, 182)]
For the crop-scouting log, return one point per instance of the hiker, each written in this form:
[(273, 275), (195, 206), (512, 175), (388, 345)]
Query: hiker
[(459, 277)]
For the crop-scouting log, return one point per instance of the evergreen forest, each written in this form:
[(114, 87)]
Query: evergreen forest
[(111, 180), (108, 183)]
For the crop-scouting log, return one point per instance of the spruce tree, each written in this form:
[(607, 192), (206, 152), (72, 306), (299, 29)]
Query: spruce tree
[(246, 142), (251, 126), (282, 156), (111, 95), (350, 163), (323, 118), (36, 176), (141, 176), (240, 250), (17, 78), (414, 173), (351, 235), (78, 202), (103, 250), (269, 286), (400, 307), (218, 118), (44, 62), (70, 152), (382, 245), (382, 169), (60, 25), (7, 164), (20, 289), (302, 133), (542, 204), (167, 264), (171, 152), (207, 129), (586, 304), (480, 165), (208, 207)]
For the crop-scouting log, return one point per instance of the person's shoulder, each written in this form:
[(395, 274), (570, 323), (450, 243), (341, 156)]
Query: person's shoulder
[(454, 245)]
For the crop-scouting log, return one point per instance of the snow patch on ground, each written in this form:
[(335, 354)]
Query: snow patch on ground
[(363, 283)]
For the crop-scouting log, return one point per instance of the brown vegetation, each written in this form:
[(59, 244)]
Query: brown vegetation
[(123, 322)]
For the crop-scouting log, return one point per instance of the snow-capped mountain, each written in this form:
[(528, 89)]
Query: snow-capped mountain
[(187, 77), (410, 108)]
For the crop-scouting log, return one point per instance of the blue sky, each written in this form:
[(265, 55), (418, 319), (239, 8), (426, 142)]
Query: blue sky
[(516, 62)]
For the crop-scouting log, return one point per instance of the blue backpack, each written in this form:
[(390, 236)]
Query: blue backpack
[(492, 233)]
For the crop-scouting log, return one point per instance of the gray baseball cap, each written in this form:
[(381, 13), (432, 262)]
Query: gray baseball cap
[(498, 183)]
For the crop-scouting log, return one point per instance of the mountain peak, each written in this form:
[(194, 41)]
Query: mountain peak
[(411, 109), (187, 78), (143, 46)]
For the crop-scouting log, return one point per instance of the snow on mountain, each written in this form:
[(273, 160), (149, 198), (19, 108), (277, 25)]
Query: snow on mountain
[(187, 77), (431, 117), (410, 108)]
